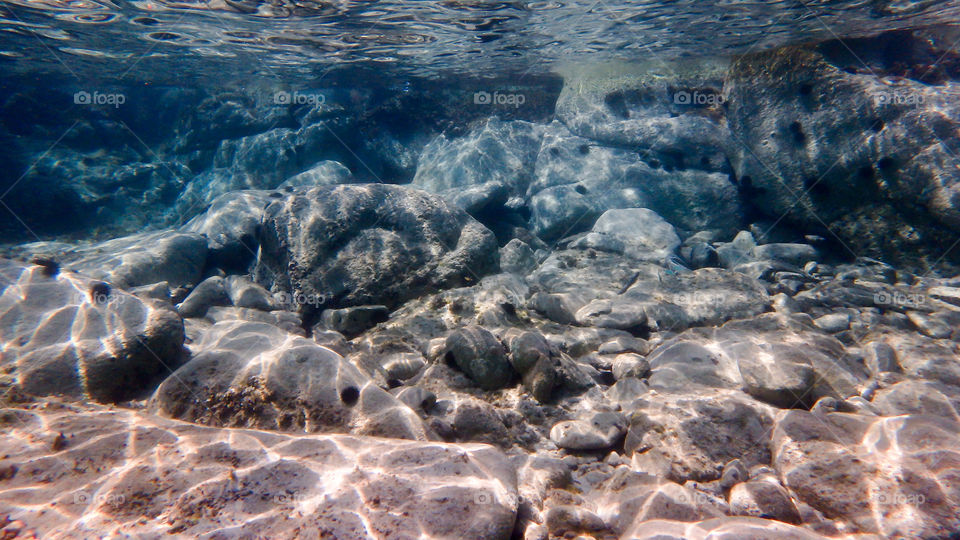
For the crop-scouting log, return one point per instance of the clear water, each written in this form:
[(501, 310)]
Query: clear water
[(173, 42), (705, 249)]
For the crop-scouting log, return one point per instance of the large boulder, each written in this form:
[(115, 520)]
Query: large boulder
[(863, 152), (140, 475), (252, 374), (671, 114), (339, 246), (497, 153), (67, 334), (576, 180)]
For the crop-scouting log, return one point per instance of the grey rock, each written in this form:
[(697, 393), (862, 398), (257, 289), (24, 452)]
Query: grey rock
[(630, 365), (71, 335), (692, 436), (498, 152), (737, 251), (443, 490), (245, 293), (517, 257), (577, 180), (725, 527), (937, 327), (833, 322), (798, 254), (476, 421), (638, 233), (231, 227), (416, 398), (526, 349), (880, 358), (626, 345), (884, 153), (702, 297), (639, 106), (764, 498), (246, 374), (354, 320), (733, 473), (838, 464), (142, 259), (338, 246), (325, 173), (565, 519), (210, 292), (480, 355), (599, 431)]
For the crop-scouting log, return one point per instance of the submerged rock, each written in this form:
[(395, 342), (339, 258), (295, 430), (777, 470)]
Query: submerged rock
[(142, 259), (577, 180), (251, 483), (480, 355), (75, 336), (637, 233), (248, 374), (862, 155), (350, 245)]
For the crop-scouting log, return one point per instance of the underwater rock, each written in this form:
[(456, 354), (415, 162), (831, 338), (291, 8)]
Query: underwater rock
[(637, 233), (838, 463), (210, 292), (231, 226), (763, 498), (672, 115), (576, 180), (75, 336), (480, 355), (630, 365), (631, 498), (341, 246), (142, 259), (692, 437), (354, 320), (247, 374), (707, 296), (123, 469), (244, 293), (862, 155), (723, 527), (597, 432), (517, 257), (325, 173), (533, 358), (498, 153)]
